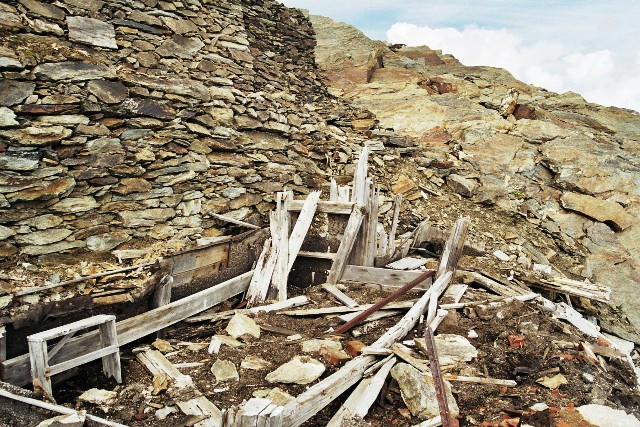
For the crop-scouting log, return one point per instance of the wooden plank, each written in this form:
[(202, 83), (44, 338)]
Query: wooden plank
[(449, 261), (454, 292), (278, 289), (193, 265), (340, 296), (81, 360), (381, 314), (348, 239), (201, 406), (162, 296), (234, 221), (358, 403), (111, 363), (261, 279), (56, 408), (249, 412), (71, 327), (324, 206), (344, 195), (380, 276), (405, 354), (16, 370), (41, 379), (371, 230), (319, 255), (523, 298), (397, 203), (290, 303), (333, 191), (342, 309), (490, 284), (440, 315), (360, 178), (407, 263), (302, 226)]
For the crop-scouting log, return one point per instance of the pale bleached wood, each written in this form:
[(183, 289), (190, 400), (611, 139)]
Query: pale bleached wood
[(480, 380), (455, 292), (56, 408), (389, 279), (162, 296), (343, 309), (344, 196), (71, 327), (291, 302), (201, 406), (109, 337), (16, 370), (319, 255), (380, 314), (449, 261), (490, 284), (249, 413), (333, 191), (280, 276), (329, 207), (340, 296), (371, 235), (440, 315), (397, 203), (407, 263), (360, 178), (432, 422), (374, 368), (523, 298), (81, 360), (383, 241), (405, 354), (302, 227), (358, 403), (234, 221), (156, 362), (259, 285), (321, 394), (39, 365), (573, 287), (56, 348), (344, 250)]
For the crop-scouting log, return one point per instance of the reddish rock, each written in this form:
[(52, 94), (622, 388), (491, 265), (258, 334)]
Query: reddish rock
[(354, 347), (333, 355)]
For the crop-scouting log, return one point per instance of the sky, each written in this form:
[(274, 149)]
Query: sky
[(591, 47)]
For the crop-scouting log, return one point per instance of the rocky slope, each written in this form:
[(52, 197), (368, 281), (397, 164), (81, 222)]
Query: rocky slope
[(569, 167)]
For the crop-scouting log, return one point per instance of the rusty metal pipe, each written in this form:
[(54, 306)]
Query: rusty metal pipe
[(390, 298)]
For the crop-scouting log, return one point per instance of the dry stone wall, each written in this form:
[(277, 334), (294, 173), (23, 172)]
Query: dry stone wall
[(136, 119)]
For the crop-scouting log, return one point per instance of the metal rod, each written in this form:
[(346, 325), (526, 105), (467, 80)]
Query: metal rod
[(390, 298), (438, 382)]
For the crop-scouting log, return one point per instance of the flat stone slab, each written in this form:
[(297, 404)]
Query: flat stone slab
[(93, 32), (241, 324), (611, 213), (299, 370), (604, 416), (224, 370), (73, 71)]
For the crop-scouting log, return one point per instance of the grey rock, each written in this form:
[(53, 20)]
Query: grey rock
[(43, 237), (10, 20), (600, 210), (73, 71), (42, 222), (108, 91), (106, 242), (461, 185), (146, 218), (180, 26), (179, 86), (75, 204), (419, 393), (182, 47), (299, 370), (224, 370), (44, 9), (14, 92), (91, 31), (10, 63), (6, 232), (451, 348), (53, 248), (254, 363), (16, 162), (313, 345), (241, 325)]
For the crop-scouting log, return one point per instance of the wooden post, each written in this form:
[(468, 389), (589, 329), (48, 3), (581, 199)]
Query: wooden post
[(349, 238), (333, 191), (39, 365), (162, 296), (302, 227), (281, 273), (397, 202), (109, 337)]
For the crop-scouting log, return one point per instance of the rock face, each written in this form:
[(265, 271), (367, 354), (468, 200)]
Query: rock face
[(568, 166), (148, 116)]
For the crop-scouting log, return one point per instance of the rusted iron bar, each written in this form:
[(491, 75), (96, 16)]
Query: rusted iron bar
[(390, 298), (438, 382)]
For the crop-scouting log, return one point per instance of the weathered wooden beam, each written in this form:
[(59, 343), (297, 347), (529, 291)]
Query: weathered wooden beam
[(343, 208), (301, 228), (234, 221), (280, 276), (16, 370), (319, 255), (340, 296), (162, 296), (346, 245), (480, 380), (3, 344), (384, 277)]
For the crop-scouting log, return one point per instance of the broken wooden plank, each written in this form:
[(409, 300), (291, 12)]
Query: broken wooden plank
[(381, 314), (454, 292), (374, 368), (344, 309), (280, 276), (340, 296), (405, 354), (155, 362), (407, 263), (319, 255), (201, 406), (234, 221), (440, 315), (249, 413), (261, 279), (572, 287), (397, 203), (162, 296), (360, 178), (323, 206), (523, 298), (358, 403), (290, 303), (16, 370), (56, 408), (302, 226), (333, 190), (387, 279), (371, 226), (348, 240), (490, 284), (480, 380)]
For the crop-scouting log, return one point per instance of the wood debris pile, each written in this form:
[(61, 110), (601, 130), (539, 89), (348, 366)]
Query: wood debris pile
[(422, 341)]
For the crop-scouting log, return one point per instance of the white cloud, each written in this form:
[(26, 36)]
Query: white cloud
[(601, 76)]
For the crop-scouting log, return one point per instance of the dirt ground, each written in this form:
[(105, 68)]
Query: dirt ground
[(541, 349)]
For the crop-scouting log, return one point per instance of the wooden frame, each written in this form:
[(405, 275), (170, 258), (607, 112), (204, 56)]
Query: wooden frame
[(40, 357)]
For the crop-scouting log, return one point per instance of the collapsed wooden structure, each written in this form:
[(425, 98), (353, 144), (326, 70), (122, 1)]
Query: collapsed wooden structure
[(364, 246)]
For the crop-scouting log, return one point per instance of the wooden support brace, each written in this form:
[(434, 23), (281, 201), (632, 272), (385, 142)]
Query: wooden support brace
[(162, 296), (349, 238)]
